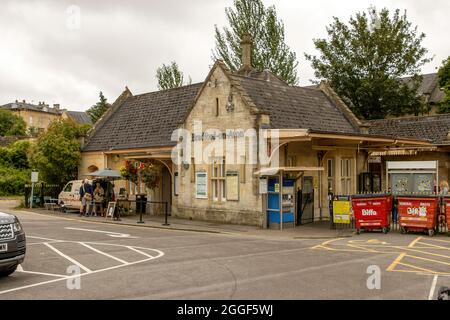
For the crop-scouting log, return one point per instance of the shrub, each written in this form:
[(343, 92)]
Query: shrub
[(13, 180)]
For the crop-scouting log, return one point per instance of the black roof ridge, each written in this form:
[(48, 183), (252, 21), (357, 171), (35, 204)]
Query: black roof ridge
[(412, 117), (167, 90), (421, 74), (262, 80)]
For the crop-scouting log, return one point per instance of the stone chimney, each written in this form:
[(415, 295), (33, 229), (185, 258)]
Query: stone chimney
[(246, 53)]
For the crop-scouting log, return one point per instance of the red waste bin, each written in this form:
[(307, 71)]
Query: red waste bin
[(418, 213), (372, 212)]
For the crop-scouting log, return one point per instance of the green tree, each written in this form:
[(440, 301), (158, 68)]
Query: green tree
[(13, 180), (444, 83), (11, 124), (170, 76), (97, 110), (16, 155), (270, 50), (364, 60), (56, 154)]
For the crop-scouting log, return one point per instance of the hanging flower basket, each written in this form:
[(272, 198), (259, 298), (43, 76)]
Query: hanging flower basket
[(130, 172), (151, 175)]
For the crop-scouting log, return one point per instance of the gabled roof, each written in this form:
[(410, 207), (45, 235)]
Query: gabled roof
[(79, 117), (296, 107), (148, 120), (429, 87), (433, 128), (142, 121)]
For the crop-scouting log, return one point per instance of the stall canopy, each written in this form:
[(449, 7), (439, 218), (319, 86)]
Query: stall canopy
[(106, 173)]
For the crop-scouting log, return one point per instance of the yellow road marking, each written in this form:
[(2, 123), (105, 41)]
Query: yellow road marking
[(432, 245), (431, 260), (338, 250), (396, 262), (421, 269), (362, 248), (428, 253), (414, 242), (440, 240), (323, 244)]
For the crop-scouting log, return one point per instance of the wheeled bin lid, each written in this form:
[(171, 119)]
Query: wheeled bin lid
[(377, 195)]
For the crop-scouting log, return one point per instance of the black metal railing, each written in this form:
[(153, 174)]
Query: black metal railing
[(41, 194)]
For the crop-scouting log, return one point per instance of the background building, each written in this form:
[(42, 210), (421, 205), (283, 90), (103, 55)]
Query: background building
[(38, 117)]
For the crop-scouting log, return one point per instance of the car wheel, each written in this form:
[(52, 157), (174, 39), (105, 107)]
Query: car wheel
[(431, 232), (7, 272), (385, 230), (403, 230)]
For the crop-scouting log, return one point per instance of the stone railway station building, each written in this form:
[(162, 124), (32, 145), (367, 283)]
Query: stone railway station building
[(323, 147)]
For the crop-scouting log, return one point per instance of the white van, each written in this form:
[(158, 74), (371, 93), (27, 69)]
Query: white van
[(69, 197)]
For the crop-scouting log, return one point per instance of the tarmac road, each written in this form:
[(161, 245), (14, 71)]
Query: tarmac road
[(126, 262)]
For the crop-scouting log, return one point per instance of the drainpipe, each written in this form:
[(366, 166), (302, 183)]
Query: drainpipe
[(320, 156)]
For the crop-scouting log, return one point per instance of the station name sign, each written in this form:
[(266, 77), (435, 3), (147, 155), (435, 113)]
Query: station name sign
[(212, 136)]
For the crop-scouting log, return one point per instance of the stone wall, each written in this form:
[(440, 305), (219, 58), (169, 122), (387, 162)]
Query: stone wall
[(248, 209)]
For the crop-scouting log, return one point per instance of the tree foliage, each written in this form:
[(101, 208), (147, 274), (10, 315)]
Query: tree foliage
[(270, 50), (170, 76), (16, 155), (364, 60), (97, 110), (444, 83), (13, 180), (56, 154), (14, 168), (11, 124)]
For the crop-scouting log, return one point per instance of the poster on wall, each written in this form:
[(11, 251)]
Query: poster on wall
[(263, 185), (201, 187), (232, 183), (341, 212)]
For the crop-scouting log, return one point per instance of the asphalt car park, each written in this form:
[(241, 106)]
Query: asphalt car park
[(72, 259)]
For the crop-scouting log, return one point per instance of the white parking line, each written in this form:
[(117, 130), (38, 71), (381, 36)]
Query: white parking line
[(104, 253), (109, 233), (138, 251), (433, 287), (45, 239), (75, 262), (159, 254), (43, 273)]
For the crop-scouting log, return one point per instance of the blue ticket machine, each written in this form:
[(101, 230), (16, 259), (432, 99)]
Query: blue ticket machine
[(287, 194)]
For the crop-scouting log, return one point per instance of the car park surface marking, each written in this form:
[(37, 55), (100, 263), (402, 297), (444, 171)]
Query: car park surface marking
[(147, 254), (426, 256), (433, 287), (109, 233)]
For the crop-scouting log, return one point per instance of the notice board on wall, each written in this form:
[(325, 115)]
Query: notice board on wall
[(232, 185)]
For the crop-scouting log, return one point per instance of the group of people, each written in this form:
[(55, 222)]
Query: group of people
[(94, 201)]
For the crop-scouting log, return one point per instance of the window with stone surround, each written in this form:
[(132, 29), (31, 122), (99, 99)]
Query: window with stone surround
[(330, 175), (218, 180), (346, 176)]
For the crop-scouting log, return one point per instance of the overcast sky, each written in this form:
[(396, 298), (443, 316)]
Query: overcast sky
[(45, 55)]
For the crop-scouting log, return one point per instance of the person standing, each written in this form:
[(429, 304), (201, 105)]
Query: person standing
[(99, 196), (86, 198)]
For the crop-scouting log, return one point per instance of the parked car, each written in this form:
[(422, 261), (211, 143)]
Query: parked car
[(12, 244), (69, 198)]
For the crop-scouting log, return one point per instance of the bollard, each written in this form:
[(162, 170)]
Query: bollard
[(166, 223), (141, 211)]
